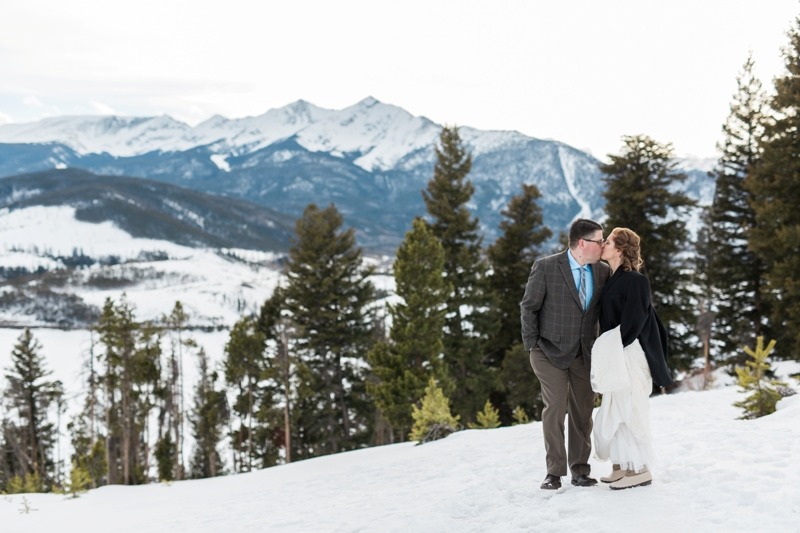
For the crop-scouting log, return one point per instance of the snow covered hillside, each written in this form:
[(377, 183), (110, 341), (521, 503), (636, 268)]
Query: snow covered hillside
[(715, 474), (215, 286)]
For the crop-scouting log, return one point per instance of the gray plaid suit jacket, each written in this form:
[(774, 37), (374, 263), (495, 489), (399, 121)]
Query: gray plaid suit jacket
[(552, 318)]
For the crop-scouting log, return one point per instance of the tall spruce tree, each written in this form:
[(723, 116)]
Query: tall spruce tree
[(179, 343), (29, 433), (208, 420), (413, 355), (734, 273), (244, 370), (705, 292), (641, 194), (468, 324), (329, 298), (130, 352), (171, 414), (511, 257), (281, 367), (774, 185)]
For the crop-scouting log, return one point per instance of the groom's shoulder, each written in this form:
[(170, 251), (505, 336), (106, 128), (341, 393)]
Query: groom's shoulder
[(549, 263), (553, 258)]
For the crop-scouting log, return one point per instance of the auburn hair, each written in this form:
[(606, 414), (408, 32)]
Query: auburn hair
[(628, 243)]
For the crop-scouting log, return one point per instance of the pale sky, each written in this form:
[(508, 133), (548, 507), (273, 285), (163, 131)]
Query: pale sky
[(585, 72)]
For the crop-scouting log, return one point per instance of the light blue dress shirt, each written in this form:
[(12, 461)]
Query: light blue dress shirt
[(576, 275)]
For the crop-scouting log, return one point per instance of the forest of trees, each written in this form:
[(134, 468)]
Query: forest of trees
[(327, 366)]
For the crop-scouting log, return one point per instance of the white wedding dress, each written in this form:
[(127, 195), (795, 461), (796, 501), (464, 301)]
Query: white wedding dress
[(622, 423)]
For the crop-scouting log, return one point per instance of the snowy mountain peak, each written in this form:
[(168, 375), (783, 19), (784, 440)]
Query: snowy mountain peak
[(379, 135), (368, 102), (299, 112), (117, 135), (373, 107)]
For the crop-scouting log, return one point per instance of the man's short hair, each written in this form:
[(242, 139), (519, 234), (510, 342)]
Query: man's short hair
[(582, 229)]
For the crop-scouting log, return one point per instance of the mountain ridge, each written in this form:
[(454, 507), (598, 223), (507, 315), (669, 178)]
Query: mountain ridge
[(370, 159), (152, 209)]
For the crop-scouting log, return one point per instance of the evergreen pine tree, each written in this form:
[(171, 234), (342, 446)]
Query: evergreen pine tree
[(433, 420), (328, 297), (89, 451), (80, 480), (468, 326), (24, 484), (489, 418), (208, 420), (165, 458), (754, 379), (403, 365), (511, 257), (130, 353), (734, 273), (281, 367), (29, 434), (88, 443), (641, 195), (244, 368), (172, 390), (705, 296), (520, 416), (521, 387), (774, 185)]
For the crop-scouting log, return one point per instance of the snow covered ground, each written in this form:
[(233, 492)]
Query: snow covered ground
[(715, 473)]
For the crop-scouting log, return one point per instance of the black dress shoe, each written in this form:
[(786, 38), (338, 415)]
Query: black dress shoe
[(584, 481), (551, 482)]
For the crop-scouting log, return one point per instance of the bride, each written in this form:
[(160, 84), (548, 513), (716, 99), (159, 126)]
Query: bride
[(626, 359)]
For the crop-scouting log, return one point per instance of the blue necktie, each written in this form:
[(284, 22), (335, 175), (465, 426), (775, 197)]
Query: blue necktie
[(582, 289)]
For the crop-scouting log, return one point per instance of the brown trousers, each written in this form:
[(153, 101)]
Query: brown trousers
[(565, 391)]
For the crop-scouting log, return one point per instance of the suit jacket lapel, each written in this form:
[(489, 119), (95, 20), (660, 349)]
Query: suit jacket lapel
[(563, 263)]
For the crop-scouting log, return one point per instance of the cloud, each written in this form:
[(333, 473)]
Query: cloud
[(5, 119)]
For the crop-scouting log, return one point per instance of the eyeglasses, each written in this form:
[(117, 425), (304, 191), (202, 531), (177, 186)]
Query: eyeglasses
[(601, 242)]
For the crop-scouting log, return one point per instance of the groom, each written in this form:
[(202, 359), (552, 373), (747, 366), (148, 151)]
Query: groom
[(559, 325)]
